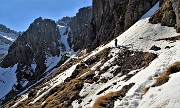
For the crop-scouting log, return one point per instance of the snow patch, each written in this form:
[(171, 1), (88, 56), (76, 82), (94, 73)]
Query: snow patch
[(7, 79)]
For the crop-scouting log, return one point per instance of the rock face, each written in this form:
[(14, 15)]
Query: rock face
[(30, 50), (168, 14), (110, 18), (79, 25)]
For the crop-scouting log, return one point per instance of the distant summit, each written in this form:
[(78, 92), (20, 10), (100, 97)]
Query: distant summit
[(7, 36), (4, 29), (64, 21)]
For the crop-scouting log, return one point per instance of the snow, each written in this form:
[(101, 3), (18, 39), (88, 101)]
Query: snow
[(23, 97), (8, 75), (9, 36), (5, 45), (149, 34), (7, 79), (140, 37), (142, 80), (55, 81), (166, 95), (64, 37), (33, 66), (51, 62)]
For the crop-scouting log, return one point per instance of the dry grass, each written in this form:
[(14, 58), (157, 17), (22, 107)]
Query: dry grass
[(146, 90), (163, 78), (103, 99), (149, 56), (104, 53), (173, 68), (63, 97), (107, 101), (63, 94), (99, 56)]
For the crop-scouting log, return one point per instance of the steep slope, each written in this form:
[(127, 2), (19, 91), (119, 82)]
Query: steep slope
[(110, 18), (34, 55), (105, 20), (131, 75)]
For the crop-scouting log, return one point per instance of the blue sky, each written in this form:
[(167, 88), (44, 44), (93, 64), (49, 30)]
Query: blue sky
[(18, 14)]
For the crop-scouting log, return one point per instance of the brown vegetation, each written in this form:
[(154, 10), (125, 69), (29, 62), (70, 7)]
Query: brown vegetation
[(164, 77), (99, 56), (173, 68), (107, 101), (146, 90), (64, 97), (65, 93)]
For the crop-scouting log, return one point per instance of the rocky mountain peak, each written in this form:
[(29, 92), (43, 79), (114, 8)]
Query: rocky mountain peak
[(64, 21), (31, 50)]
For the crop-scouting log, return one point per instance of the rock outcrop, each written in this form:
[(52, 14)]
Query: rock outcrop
[(168, 14), (164, 15), (31, 49)]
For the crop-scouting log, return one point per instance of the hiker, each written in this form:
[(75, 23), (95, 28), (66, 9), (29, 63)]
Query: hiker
[(115, 42)]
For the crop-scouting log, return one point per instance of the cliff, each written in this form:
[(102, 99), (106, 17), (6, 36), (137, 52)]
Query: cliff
[(105, 20), (79, 36)]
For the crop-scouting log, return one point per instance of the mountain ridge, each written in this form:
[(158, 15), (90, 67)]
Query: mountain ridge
[(7, 37), (120, 76)]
